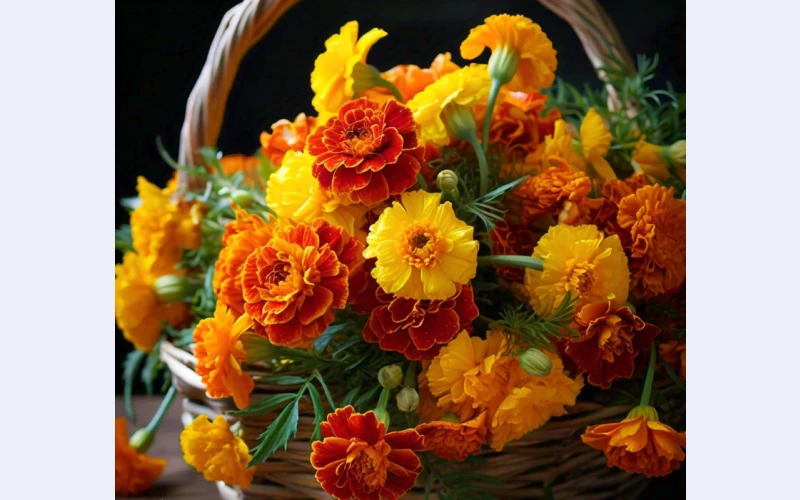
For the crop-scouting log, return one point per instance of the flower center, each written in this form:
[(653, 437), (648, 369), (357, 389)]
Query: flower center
[(614, 336), (361, 140), (369, 464), (579, 276), (420, 244)]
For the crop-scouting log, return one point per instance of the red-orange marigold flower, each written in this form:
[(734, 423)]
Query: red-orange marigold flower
[(241, 237), (368, 152), (410, 79), (419, 328), (358, 459), (611, 337), (242, 163), (134, 472), (558, 191), (286, 136), (512, 239), (454, 441), (639, 445), (293, 284)]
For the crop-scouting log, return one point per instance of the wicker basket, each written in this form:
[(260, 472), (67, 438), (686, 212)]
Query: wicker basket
[(551, 457)]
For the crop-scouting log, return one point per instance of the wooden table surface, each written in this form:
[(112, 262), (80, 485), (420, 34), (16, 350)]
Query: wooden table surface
[(179, 480)]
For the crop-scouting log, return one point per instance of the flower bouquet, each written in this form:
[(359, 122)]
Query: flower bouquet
[(461, 281)]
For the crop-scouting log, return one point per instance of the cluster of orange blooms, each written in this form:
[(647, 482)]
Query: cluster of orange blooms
[(360, 226)]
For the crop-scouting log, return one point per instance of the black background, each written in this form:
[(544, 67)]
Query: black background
[(161, 48)]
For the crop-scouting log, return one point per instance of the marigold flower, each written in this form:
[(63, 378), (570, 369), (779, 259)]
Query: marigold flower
[(558, 191), (512, 239), (454, 441), (674, 353), (250, 165), (520, 36), (286, 136), (138, 312), (368, 152), (428, 409), (423, 250), (332, 79), (650, 158), (465, 87), (220, 353), (358, 459), (580, 261), (657, 225), (595, 142), (410, 79), (419, 328), (161, 229), (134, 473), (639, 445), (295, 195), (212, 449), (293, 284), (531, 402), (611, 336), (242, 236)]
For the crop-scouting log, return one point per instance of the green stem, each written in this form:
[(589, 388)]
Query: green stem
[(511, 260), (487, 118), (383, 400), (648, 381), (410, 379), (483, 165), (155, 422)]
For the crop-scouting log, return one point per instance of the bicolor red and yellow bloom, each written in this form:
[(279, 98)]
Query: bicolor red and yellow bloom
[(286, 136)]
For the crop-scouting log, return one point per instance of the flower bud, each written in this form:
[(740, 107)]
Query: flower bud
[(141, 440), (459, 122), (390, 376), (503, 64), (382, 416), (242, 198), (447, 182), (407, 400), (257, 348), (645, 411), (451, 417), (677, 153), (172, 288), (536, 362)]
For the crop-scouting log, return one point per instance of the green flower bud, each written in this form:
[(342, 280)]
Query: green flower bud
[(677, 153), (459, 121), (141, 440), (447, 182), (407, 400), (536, 363), (390, 376), (451, 417), (382, 416), (173, 288), (366, 77), (257, 348), (242, 198), (645, 411), (503, 64)]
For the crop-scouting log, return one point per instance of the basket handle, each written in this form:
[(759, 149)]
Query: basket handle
[(245, 24)]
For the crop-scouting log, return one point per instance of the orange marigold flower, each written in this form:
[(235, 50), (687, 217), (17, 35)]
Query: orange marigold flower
[(611, 336), (657, 225), (454, 440), (428, 409), (286, 136), (293, 284), (640, 444), (242, 236), (368, 151), (671, 352), (558, 191), (242, 163), (419, 328), (138, 311), (212, 449), (410, 80), (220, 354), (358, 459), (512, 239), (134, 472)]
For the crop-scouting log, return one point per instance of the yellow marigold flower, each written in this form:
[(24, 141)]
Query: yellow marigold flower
[(294, 194), (137, 309), (220, 353), (650, 159), (532, 402), (423, 250), (465, 87), (510, 37), (134, 473), (470, 374), (580, 261), (559, 145), (332, 79), (211, 448), (595, 141), (161, 229)]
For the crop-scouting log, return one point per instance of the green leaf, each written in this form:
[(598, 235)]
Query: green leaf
[(497, 192), (348, 398), (323, 340), (325, 388), (131, 203), (122, 239), (277, 434), (210, 156), (131, 365), (319, 411), (265, 405), (152, 367), (366, 398), (284, 380)]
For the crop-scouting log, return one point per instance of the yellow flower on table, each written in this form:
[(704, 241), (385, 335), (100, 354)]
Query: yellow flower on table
[(423, 250), (212, 449), (581, 261)]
